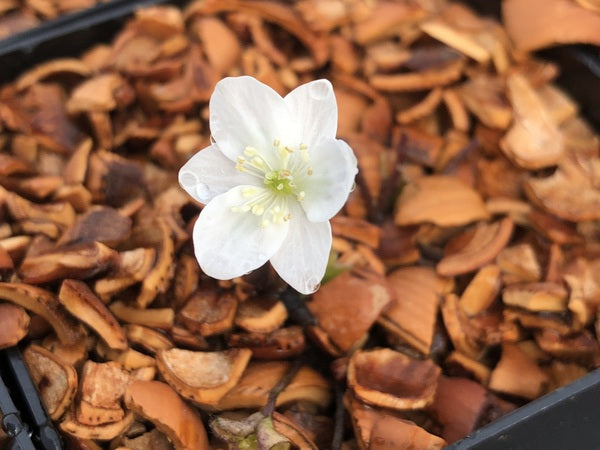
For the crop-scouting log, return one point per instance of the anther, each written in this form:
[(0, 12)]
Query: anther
[(300, 196), (309, 171), (276, 143)]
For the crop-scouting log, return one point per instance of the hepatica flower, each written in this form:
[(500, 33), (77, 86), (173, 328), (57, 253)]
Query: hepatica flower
[(271, 179)]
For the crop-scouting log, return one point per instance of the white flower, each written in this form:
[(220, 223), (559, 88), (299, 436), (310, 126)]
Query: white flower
[(271, 180)]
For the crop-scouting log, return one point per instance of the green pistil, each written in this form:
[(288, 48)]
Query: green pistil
[(280, 181)]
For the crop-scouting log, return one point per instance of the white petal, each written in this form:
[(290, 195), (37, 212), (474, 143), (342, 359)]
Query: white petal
[(245, 112), (229, 244), (327, 189), (302, 259), (314, 111), (210, 173)]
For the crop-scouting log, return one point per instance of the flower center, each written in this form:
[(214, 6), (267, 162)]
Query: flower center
[(280, 177), (280, 181)]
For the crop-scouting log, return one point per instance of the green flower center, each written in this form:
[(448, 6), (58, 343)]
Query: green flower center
[(280, 181)]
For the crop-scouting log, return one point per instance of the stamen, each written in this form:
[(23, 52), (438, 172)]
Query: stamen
[(276, 143), (309, 171), (300, 196)]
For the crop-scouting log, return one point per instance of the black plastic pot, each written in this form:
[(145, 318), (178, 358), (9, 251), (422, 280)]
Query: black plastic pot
[(567, 418)]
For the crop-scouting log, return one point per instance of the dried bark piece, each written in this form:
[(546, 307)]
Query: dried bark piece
[(280, 14), (519, 263), (398, 245), (203, 377), (185, 281), (457, 110), (555, 229), (481, 291), (442, 200), (186, 339), (130, 359), (102, 388), (147, 338), (555, 322), (133, 266), (260, 314), (259, 378), (484, 96), (36, 187), (61, 214), (69, 261), (418, 81), (581, 346), (151, 440), (412, 314), (50, 68), (293, 432), (384, 18), (114, 180), (73, 354), (527, 23), (158, 279), (392, 380), (12, 165), (391, 433), (208, 313), (220, 43), (569, 193), (104, 432), (280, 344), (44, 303), (162, 318), (459, 405), (160, 21), (50, 122), (76, 167), (80, 301), (55, 380), (460, 330), (537, 297), (534, 141), (160, 404), (14, 324), (424, 108), (458, 364), (364, 294), (560, 106), (100, 224), (517, 374), (475, 248), (356, 230)]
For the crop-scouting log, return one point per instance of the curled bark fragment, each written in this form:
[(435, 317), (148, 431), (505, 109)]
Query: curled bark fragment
[(390, 379), (412, 314), (44, 303), (366, 295), (259, 378), (435, 199), (260, 314), (79, 261), (418, 81), (203, 377), (80, 301), (208, 313), (101, 390), (55, 380), (475, 248), (14, 323), (517, 374)]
